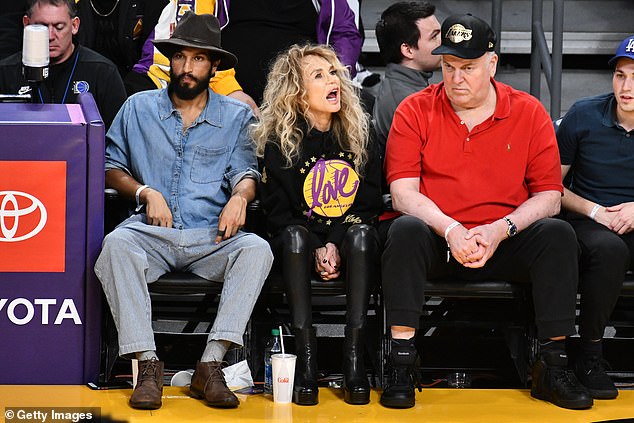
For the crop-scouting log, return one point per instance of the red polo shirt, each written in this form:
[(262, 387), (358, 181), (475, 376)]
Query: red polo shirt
[(480, 176)]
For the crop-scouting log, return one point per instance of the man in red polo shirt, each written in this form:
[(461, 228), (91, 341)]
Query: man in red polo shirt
[(473, 167)]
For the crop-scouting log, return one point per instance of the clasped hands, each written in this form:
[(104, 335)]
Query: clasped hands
[(618, 218), (474, 247), (327, 261)]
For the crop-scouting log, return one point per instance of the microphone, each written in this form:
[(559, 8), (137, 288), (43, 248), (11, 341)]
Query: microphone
[(35, 55)]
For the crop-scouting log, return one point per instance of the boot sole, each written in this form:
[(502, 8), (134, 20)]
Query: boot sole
[(222, 404), (359, 398), (195, 394), (146, 405), (603, 395), (305, 399), (356, 397), (198, 395), (398, 403), (569, 404)]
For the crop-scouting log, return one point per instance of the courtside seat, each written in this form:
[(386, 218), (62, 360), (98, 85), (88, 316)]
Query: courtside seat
[(472, 311), (622, 318), (175, 289), (184, 296), (472, 289), (174, 283), (180, 283), (275, 285), (628, 285), (166, 290)]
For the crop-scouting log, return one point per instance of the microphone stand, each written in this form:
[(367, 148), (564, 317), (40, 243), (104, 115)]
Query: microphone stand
[(35, 57), (35, 88), (35, 76)]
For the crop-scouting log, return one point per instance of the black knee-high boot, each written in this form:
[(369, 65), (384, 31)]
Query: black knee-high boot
[(356, 388), (305, 391), (296, 268), (360, 249)]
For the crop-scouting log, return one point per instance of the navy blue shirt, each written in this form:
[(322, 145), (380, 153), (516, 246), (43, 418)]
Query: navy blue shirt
[(599, 151)]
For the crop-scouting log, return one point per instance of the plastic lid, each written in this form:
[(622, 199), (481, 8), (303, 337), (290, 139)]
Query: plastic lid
[(275, 332)]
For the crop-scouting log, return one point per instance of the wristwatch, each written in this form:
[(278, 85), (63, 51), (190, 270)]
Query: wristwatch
[(512, 229)]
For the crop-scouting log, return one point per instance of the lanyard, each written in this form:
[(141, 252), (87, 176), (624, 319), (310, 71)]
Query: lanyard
[(72, 72)]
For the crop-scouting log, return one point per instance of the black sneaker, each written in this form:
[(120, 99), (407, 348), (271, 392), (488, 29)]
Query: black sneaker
[(591, 373), (559, 385), (399, 392)]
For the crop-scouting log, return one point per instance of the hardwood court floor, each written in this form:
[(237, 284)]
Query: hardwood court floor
[(433, 405)]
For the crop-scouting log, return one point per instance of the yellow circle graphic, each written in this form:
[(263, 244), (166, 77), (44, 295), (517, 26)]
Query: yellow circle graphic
[(330, 187)]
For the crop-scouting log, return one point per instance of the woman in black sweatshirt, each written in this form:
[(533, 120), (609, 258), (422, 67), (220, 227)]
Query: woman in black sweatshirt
[(321, 195)]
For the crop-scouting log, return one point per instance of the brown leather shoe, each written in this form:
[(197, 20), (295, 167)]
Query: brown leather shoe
[(149, 385), (208, 383)]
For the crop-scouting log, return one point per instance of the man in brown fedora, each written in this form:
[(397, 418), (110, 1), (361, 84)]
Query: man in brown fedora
[(184, 155)]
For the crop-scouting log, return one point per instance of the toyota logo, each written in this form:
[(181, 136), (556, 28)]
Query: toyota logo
[(10, 210)]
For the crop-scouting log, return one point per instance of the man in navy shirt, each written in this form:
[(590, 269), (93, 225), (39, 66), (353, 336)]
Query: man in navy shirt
[(597, 163)]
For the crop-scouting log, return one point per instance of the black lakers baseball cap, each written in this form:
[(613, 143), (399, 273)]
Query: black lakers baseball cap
[(465, 36)]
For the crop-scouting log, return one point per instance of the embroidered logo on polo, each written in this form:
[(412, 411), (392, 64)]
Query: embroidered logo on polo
[(458, 33), (80, 87), (330, 187)]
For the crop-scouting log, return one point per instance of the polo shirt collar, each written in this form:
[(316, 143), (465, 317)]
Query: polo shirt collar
[(503, 104), (609, 113)]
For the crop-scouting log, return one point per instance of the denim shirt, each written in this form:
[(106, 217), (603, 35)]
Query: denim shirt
[(195, 170)]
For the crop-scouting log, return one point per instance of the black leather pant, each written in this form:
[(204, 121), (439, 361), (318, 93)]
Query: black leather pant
[(360, 265)]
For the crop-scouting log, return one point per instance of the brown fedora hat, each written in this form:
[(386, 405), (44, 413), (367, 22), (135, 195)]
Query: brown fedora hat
[(197, 31)]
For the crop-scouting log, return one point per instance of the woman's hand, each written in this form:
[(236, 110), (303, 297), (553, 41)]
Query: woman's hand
[(327, 261)]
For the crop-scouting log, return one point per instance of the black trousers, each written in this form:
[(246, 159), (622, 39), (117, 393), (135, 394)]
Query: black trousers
[(359, 253), (544, 255), (605, 257)]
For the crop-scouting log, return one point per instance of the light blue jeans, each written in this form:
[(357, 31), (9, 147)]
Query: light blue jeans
[(136, 254)]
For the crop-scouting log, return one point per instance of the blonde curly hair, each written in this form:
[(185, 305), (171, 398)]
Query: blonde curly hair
[(285, 106)]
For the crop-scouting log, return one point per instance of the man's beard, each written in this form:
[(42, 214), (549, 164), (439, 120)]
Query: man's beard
[(185, 92)]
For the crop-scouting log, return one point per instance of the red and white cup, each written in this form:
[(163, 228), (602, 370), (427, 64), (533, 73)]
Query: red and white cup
[(283, 377)]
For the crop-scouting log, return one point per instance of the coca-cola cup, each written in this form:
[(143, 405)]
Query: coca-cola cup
[(283, 376)]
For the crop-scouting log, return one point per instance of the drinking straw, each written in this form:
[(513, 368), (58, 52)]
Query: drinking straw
[(282, 340)]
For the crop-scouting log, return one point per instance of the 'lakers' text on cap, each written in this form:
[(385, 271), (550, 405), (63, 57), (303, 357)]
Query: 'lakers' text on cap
[(466, 36)]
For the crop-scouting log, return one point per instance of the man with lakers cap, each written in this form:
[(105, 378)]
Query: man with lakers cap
[(473, 168)]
